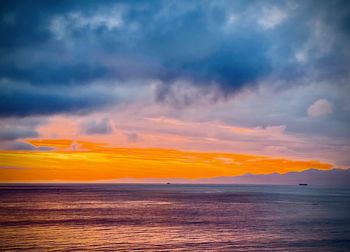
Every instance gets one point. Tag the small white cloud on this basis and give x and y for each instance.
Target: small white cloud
(230, 22)
(61, 26)
(272, 17)
(320, 107)
(110, 21)
(301, 56)
(231, 19)
(58, 27)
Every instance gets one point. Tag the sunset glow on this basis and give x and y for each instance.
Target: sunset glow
(98, 163)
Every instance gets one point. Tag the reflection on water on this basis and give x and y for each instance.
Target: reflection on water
(174, 217)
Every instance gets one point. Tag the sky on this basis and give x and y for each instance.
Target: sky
(101, 90)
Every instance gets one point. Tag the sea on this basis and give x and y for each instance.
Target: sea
(173, 217)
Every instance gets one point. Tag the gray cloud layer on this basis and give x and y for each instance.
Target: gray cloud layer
(218, 47)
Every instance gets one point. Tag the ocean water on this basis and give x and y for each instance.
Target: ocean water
(124, 217)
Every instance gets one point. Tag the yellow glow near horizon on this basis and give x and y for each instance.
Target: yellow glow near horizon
(102, 163)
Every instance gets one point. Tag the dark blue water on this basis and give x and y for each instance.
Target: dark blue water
(174, 218)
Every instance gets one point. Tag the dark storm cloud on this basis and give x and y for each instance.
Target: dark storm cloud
(229, 44)
(54, 74)
(25, 101)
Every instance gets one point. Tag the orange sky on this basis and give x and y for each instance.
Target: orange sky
(88, 161)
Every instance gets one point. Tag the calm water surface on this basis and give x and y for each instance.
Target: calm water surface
(173, 218)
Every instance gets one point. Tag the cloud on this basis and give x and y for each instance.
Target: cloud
(18, 99)
(44, 46)
(65, 25)
(320, 107)
(17, 145)
(15, 128)
(182, 93)
(132, 137)
(12, 133)
(20, 146)
(97, 127)
(272, 17)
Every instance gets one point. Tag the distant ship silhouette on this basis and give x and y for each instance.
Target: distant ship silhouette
(303, 184)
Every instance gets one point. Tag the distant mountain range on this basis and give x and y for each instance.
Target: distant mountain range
(334, 177)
